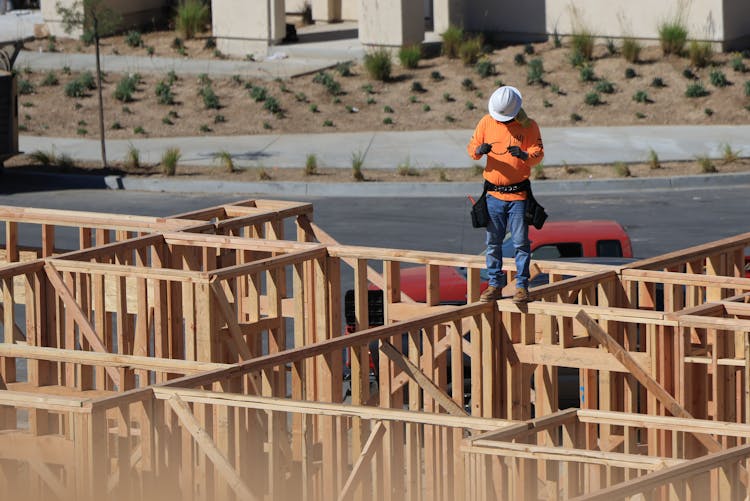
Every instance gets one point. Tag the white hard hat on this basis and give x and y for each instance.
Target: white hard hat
(505, 103)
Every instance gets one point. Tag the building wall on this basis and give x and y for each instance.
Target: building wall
(134, 13)
(244, 27)
(391, 23)
(736, 24)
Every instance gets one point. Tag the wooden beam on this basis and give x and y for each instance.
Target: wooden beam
(671, 474)
(368, 451)
(423, 381)
(529, 451)
(643, 377)
(720, 428)
(18, 334)
(51, 479)
(71, 307)
(208, 447)
(229, 315)
(325, 409)
(107, 359)
(536, 425)
(577, 357)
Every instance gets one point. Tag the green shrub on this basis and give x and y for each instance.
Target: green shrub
(371, 100)
(344, 68)
(747, 88)
(436, 76)
(87, 37)
(300, 97)
(387, 121)
(519, 59)
(150, 50)
(327, 123)
(116, 126)
(700, 53)
(41, 157)
(696, 89)
(658, 83)
(688, 73)
(167, 121)
(220, 119)
(267, 125)
(630, 73)
(450, 119)
(410, 55)
(575, 117)
(605, 87)
(447, 97)
(192, 17)
(673, 36)
(467, 84)
(556, 40)
(592, 99)
(653, 160)
(311, 165)
(706, 165)
(546, 104)
(576, 59)
(125, 89)
(416, 86)
(272, 104)
(387, 109)
(87, 80)
(535, 72)
(470, 106)
(172, 77)
(133, 157)
(313, 108)
(50, 79)
(25, 87)
(426, 108)
(621, 169)
(631, 50)
(368, 89)
(133, 38)
(718, 78)
(586, 73)
(708, 112)
(169, 161)
(470, 50)
(641, 97)
(737, 64)
(210, 43)
(485, 68)
(66, 70)
(259, 94)
(582, 42)
(452, 38)
(164, 94)
(210, 99)
(139, 130)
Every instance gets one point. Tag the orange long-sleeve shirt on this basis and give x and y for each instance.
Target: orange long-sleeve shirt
(503, 168)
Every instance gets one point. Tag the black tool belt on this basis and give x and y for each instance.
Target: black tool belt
(511, 188)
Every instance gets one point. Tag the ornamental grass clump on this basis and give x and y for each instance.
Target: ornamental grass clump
(410, 55)
(673, 36)
(192, 17)
(169, 161)
(452, 38)
(631, 50)
(378, 65)
(470, 50)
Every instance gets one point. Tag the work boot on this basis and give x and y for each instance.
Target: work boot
(491, 293)
(521, 295)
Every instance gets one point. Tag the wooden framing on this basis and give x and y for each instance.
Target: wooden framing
(201, 356)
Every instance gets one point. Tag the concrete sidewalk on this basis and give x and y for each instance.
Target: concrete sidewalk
(421, 149)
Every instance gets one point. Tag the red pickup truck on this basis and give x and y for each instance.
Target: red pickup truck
(556, 240)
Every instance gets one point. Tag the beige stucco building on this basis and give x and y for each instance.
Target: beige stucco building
(250, 26)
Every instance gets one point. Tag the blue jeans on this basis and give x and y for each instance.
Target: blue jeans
(507, 216)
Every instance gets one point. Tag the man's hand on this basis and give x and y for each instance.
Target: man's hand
(483, 149)
(517, 152)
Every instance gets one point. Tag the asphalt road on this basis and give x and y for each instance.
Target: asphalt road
(657, 222)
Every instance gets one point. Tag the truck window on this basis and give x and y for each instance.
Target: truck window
(608, 248)
(561, 250)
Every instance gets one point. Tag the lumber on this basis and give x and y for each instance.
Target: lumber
(673, 473)
(72, 307)
(423, 381)
(368, 451)
(209, 448)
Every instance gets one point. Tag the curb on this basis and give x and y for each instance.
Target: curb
(415, 190)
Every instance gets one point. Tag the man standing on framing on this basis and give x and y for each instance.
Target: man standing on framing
(513, 145)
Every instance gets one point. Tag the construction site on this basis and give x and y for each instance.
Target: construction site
(203, 356)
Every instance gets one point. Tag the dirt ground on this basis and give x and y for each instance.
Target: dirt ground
(455, 101)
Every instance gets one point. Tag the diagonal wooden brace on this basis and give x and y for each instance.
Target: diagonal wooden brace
(208, 447)
(71, 307)
(368, 451)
